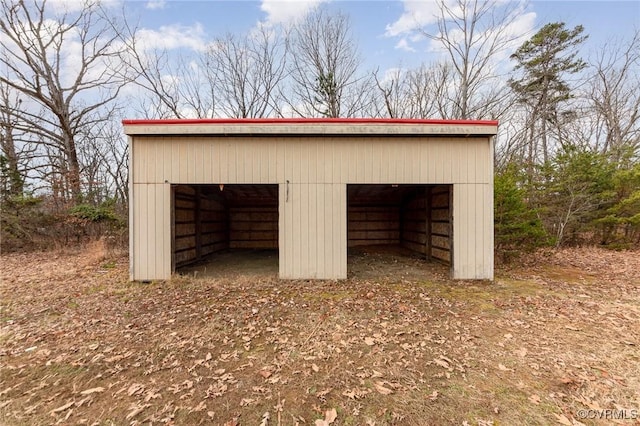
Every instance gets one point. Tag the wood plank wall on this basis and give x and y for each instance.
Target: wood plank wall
(414, 222)
(200, 225)
(440, 223)
(373, 225)
(253, 227)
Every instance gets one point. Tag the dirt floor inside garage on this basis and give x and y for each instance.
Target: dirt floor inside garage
(553, 340)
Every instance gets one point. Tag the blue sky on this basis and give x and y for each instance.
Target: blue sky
(381, 28)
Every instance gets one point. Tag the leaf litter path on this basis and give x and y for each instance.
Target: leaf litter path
(82, 345)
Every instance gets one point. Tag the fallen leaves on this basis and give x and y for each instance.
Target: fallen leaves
(329, 417)
(381, 388)
(229, 349)
(92, 390)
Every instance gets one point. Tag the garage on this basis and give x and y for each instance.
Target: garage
(312, 189)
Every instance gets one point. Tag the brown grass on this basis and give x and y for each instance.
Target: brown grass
(82, 345)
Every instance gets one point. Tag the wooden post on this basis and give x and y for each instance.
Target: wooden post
(428, 226)
(172, 200)
(198, 220)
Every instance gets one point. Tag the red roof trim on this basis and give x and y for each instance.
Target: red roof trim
(306, 121)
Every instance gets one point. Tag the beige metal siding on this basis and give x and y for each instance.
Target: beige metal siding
(313, 231)
(473, 231)
(372, 159)
(151, 232)
(312, 223)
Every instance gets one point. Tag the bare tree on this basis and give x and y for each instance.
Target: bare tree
(155, 72)
(614, 92)
(474, 34)
(324, 68)
(64, 64)
(246, 71)
(11, 175)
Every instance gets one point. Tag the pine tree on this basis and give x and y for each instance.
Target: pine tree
(544, 61)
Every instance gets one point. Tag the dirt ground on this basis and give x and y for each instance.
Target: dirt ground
(553, 340)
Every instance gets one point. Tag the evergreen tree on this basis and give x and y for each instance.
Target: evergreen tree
(544, 62)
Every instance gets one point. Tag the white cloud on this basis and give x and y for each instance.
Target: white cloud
(156, 4)
(517, 26)
(71, 6)
(172, 37)
(416, 14)
(403, 44)
(287, 11)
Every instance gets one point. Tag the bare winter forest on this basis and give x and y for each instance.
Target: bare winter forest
(566, 157)
(556, 333)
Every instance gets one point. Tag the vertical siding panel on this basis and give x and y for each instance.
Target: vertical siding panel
(245, 161)
(233, 161)
(321, 161)
(151, 243)
(473, 248)
(259, 156)
(239, 162)
(134, 232)
(305, 240)
(313, 160)
(314, 236)
(182, 161)
(164, 229)
(272, 167)
(384, 161)
(279, 152)
(321, 229)
(458, 230)
(488, 229)
(360, 160)
(341, 214)
(329, 227)
(143, 161)
(296, 208)
(295, 158)
(464, 158)
(474, 152)
(214, 162)
(132, 210)
(175, 161)
(348, 151)
(283, 234)
(141, 225)
(393, 166)
(151, 166)
(135, 154)
(474, 232)
(425, 167)
(204, 174)
(332, 160)
(339, 160)
(368, 161)
(224, 162)
(164, 148)
(376, 158)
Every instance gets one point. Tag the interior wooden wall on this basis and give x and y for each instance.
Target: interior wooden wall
(414, 222)
(420, 221)
(253, 227)
(439, 223)
(200, 225)
(373, 225)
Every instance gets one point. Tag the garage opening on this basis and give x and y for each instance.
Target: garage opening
(224, 227)
(405, 220)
